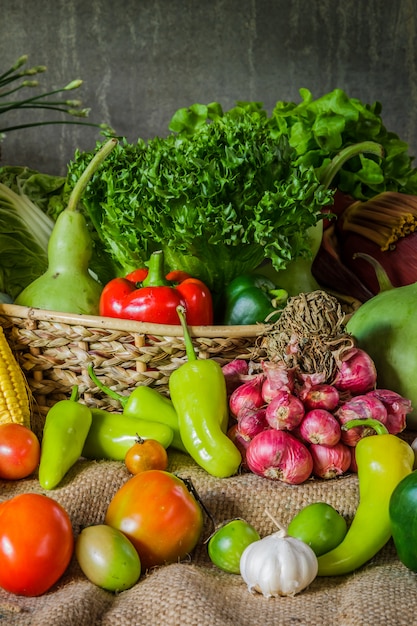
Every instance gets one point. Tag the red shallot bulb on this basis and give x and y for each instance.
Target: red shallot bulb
(397, 409)
(320, 426)
(360, 407)
(250, 422)
(357, 372)
(268, 391)
(285, 411)
(330, 461)
(278, 376)
(240, 443)
(247, 396)
(353, 467)
(319, 397)
(234, 373)
(278, 455)
(310, 380)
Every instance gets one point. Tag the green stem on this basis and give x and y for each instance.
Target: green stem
(279, 297)
(34, 100)
(41, 104)
(382, 277)
(189, 348)
(378, 426)
(74, 394)
(110, 392)
(156, 271)
(20, 61)
(347, 153)
(19, 127)
(88, 173)
(11, 91)
(46, 107)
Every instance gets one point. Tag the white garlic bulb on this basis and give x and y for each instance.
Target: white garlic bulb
(278, 565)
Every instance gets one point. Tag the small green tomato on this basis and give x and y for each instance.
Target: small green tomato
(107, 557)
(320, 526)
(227, 544)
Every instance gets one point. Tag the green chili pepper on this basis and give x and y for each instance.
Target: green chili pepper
(66, 427)
(250, 299)
(112, 434)
(383, 461)
(145, 403)
(198, 393)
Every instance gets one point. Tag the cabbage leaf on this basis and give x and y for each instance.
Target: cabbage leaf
(25, 227)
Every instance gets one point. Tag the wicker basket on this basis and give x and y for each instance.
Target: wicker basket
(54, 350)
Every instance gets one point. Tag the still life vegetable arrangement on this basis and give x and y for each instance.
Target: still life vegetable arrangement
(202, 229)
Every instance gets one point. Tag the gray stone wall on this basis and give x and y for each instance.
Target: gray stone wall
(140, 60)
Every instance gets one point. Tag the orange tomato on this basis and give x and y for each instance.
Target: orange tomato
(146, 454)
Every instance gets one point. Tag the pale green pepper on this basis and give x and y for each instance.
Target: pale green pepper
(198, 393)
(383, 461)
(112, 434)
(67, 424)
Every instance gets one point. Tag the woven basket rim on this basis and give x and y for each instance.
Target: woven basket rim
(140, 328)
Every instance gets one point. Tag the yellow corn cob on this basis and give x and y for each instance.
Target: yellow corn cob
(14, 399)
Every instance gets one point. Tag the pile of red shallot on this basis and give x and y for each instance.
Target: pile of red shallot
(288, 425)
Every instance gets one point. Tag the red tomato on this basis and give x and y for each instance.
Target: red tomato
(36, 543)
(159, 515)
(146, 454)
(19, 451)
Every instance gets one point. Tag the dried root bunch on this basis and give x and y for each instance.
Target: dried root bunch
(309, 335)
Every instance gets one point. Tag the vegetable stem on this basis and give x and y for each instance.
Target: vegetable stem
(378, 426)
(347, 153)
(110, 392)
(189, 348)
(156, 276)
(382, 277)
(275, 521)
(86, 176)
(20, 61)
(36, 100)
(32, 124)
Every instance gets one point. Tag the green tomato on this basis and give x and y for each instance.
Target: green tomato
(227, 544)
(107, 557)
(320, 526)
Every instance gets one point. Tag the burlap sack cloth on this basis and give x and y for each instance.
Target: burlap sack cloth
(195, 592)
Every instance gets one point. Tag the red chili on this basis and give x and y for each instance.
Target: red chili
(147, 295)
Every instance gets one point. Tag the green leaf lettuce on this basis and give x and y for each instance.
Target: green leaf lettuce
(218, 198)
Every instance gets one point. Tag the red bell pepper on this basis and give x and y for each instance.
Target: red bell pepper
(147, 295)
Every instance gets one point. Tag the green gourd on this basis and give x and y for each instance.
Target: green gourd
(67, 284)
(386, 328)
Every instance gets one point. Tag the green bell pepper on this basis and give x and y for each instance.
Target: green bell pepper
(67, 424)
(252, 299)
(198, 393)
(403, 515)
